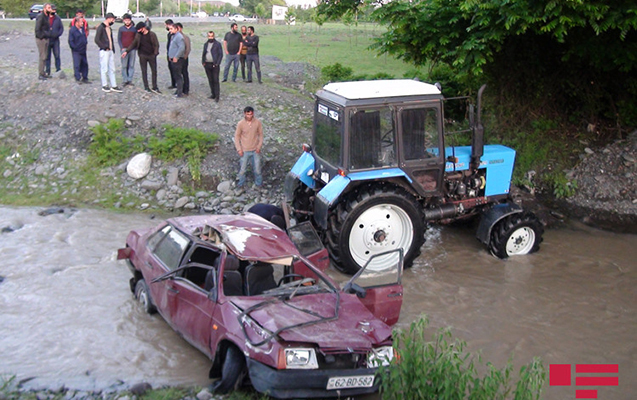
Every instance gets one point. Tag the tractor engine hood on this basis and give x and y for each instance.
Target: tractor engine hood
(314, 319)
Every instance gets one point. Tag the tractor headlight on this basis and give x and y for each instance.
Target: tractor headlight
(380, 356)
(300, 358)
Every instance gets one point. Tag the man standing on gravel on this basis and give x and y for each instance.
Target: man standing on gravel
(176, 57)
(104, 41)
(125, 36)
(168, 23)
(252, 56)
(232, 45)
(42, 33)
(147, 44)
(78, 42)
(57, 29)
(211, 60)
(184, 71)
(248, 140)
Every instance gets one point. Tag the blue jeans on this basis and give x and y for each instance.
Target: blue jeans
(128, 66)
(107, 67)
(255, 159)
(231, 58)
(54, 47)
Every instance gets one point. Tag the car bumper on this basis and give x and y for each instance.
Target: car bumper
(295, 383)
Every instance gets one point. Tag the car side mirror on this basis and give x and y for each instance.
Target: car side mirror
(353, 288)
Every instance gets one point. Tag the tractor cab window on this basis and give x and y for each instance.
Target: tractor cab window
(372, 139)
(327, 134)
(420, 133)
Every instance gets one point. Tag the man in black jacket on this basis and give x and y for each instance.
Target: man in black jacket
(211, 60)
(56, 30)
(104, 41)
(42, 34)
(147, 47)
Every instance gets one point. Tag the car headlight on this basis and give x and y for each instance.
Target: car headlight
(300, 358)
(380, 356)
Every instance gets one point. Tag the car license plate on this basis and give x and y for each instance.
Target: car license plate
(350, 382)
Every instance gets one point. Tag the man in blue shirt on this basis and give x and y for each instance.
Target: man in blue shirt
(176, 53)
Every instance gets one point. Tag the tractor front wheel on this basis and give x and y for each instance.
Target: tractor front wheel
(373, 221)
(516, 234)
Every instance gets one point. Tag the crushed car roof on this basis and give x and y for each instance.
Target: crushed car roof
(247, 235)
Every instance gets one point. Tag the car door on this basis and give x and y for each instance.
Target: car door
(381, 291)
(193, 304)
(167, 248)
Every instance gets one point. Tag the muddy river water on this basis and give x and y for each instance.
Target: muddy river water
(68, 318)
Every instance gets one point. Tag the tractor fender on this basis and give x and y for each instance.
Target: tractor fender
(330, 193)
(491, 217)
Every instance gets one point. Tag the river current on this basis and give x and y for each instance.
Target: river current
(68, 318)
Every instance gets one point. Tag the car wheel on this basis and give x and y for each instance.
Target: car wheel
(517, 234)
(142, 294)
(232, 371)
(376, 220)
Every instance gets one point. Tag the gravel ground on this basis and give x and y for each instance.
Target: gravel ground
(54, 119)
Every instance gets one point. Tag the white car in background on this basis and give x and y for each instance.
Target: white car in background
(237, 18)
(139, 15)
(199, 14)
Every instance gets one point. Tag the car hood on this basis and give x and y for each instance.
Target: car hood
(354, 328)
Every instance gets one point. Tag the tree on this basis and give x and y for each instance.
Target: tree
(580, 53)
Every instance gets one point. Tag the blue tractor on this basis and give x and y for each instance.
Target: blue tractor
(378, 172)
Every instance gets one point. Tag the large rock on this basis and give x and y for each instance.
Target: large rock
(139, 166)
(182, 201)
(173, 177)
(151, 185)
(224, 186)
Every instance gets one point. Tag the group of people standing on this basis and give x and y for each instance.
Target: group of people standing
(238, 48)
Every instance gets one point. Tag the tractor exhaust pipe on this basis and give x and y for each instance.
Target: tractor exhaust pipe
(477, 139)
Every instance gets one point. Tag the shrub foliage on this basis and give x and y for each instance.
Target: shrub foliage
(442, 369)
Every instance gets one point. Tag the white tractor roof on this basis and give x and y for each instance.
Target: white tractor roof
(382, 88)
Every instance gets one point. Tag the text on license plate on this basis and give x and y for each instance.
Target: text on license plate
(350, 382)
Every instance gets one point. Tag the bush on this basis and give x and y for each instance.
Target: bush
(109, 146)
(441, 369)
(337, 73)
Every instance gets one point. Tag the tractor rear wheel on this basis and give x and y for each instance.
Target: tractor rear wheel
(372, 221)
(516, 234)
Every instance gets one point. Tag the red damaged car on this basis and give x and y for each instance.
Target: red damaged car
(256, 301)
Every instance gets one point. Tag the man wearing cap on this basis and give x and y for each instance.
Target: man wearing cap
(104, 41)
(56, 30)
(42, 33)
(148, 48)
(125, 36)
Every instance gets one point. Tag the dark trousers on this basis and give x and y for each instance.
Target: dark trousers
(212, 71)
(151, 60)
(80, 65)
(254, 58)
(177, 69)
(242, 60)
(184, 73)
(54, 47)
(172, 77)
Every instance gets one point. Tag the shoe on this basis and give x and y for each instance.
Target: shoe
(216, 99)
(86, 81)
(155, 90)
(179, 96)
(116, 89)
(43, 77)
(126, 83)
(225, 80)
(185, 94)
(148, 90)
(78, 81)
(106, 89)
(248, 81)
(211, 97)
(172, 87)
(260, 83)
